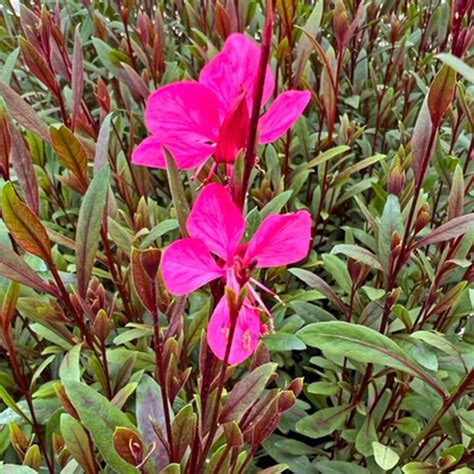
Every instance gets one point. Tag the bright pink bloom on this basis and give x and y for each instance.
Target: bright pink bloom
(214, 250)
(195, 120)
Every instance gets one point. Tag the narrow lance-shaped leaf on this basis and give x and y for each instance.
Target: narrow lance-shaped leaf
(24, 225)
(456, 195)
(37, 64)
(5, 141)
(77, 77)
(88, 228)
(102, 149)
(77, 443)
(246, 392)
(22, 112)
(323, 422)
(422, 142)
(70, 151)
(13, 267)
(24, 169)
(363, 344)
(441, 93)
(450, 230)
(177, 192)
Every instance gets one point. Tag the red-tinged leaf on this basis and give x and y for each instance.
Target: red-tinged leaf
(128, 445)
(314, 281)
(22, 112)
(13, 267)
(88, 227)
(183, 427)
(456, 195)
(24, 169)
(71, 152)
(441, 93)
(9, 304)
(144, 275)
(37, 64)
(136, 84)
(5, 142)
(422, 143)
(24, 225)
(450, 230)
(223, 24)
(77, 77)
(102, 149)
(246, 393)
(77, 443)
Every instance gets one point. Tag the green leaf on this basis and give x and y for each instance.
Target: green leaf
(90, 405)
(391, 221)
(458, 65)
(339, 467)
(246, 392)
(177, 192)
(88, 227)
(384, 456)
(420, 468)
(102, 148)
(362, 344)
(323, 422)
(70, 150)
(77, 442)
(338, 270)
(183, 427)
(283, 341)
(70, 369)
(276, 204)
(24, 225)
(358, 253)
(449, 230)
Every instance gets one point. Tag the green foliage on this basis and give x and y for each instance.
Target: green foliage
(368, 364)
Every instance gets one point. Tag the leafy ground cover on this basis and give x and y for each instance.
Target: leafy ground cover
(236, 236)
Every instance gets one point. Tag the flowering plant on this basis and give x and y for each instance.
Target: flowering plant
(236, 237)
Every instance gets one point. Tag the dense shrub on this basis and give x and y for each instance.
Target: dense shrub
(265, 265)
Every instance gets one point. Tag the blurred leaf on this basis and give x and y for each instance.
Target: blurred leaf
(384, 456)
(77, 443)
(323, 422)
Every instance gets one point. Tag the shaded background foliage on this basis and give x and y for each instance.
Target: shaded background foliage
(375, 336)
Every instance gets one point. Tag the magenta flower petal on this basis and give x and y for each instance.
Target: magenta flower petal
(234, 70)
(246, 336)
(188, 155)
(187, 265)
(282, 114)
(183, 110)
(280, 240)
(217, 221)
(234, 132)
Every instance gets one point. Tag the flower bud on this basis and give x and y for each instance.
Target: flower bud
(102, 325)
(18, 439)
(340, 23)
(396, 178)
(422, 218)
(393, 296)
(395, 245)
(33, 457)
(296, 386)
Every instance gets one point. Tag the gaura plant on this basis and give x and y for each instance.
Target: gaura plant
(307, 308)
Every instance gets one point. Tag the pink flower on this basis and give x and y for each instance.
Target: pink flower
(195, 120)
(216, 227)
